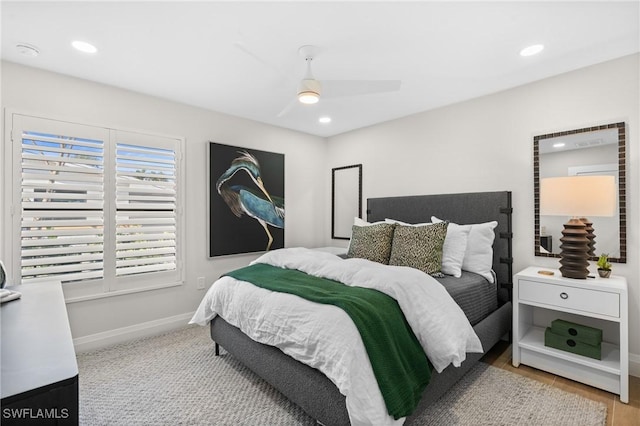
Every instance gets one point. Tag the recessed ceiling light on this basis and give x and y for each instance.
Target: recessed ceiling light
(27, 50)
(532, 50)
(324, 120)
(83, 46)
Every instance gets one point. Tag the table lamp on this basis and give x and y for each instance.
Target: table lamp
(578, 197)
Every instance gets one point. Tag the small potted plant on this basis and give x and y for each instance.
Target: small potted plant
(604, 267)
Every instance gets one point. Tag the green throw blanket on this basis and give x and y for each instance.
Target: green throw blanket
(399, 363)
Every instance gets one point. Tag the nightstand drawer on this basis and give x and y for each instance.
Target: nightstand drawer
(580, 299)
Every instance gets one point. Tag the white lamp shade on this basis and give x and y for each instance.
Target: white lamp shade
(578, 196)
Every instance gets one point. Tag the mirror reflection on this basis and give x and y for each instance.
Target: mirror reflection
(583, 152)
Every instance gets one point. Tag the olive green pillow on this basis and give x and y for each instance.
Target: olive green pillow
(419, 247)
(372, 242)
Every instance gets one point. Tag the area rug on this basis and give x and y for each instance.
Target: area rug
(175, 379)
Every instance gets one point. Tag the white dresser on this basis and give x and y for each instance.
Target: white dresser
(595, 302)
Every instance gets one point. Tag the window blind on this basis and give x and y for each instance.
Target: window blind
(94, 206)
(62, 199)
(146, 209)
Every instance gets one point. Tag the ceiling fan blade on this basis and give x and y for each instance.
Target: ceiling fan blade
(246, 50)
(287, 108)
(340, 88)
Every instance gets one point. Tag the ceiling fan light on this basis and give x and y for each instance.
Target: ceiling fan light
(309, 91)
(308, 97)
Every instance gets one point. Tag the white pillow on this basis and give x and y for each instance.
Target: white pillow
(453, 249)
(361, 222)
(398, 222)
(478, 256)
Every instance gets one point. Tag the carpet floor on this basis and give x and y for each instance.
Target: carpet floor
(175, 379)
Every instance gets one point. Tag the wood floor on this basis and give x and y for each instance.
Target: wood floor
(618, 413)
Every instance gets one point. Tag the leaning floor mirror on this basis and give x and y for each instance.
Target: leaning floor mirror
(346, 199)
(593, 151)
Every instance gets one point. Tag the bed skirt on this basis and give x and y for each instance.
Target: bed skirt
(316, 394)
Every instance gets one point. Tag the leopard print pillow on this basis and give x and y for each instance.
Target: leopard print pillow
(371, 242)
(419, 247)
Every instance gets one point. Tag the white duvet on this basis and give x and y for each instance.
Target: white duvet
(324, 337)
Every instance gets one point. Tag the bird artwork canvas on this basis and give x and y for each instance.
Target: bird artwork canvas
(246, 200)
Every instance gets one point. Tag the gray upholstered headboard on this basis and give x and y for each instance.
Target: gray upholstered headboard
(475, 207)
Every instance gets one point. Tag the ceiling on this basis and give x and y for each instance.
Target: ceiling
(241, 58)
(581, 140)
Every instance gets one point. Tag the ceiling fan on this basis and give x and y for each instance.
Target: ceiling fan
(310, 90)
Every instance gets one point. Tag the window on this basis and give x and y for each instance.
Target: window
(95, 208)
(62, 197)
(145, 207)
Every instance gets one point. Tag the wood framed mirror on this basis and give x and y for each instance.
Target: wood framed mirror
(599, 150)
(346, 199)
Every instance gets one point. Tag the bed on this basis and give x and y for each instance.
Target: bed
(317, 394)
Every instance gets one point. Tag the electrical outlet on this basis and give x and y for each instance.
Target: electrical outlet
(200, 284)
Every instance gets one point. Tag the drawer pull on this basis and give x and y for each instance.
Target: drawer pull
(564, 295)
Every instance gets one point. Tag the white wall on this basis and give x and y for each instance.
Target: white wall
(486, 144)
(110, 319)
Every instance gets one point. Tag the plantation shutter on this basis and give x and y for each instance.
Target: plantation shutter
(62, 201)
(94, 207)
(146, 204)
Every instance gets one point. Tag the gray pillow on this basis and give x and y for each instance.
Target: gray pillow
(372, 242)
(419, 247)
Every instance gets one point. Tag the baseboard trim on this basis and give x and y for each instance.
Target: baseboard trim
(634, 365)
(124, 334)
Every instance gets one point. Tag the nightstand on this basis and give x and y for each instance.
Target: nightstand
(595, 302)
